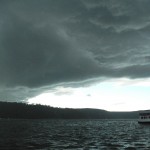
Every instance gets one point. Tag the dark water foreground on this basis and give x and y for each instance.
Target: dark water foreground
(74, 134)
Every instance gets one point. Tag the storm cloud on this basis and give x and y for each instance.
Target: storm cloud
(44, 43)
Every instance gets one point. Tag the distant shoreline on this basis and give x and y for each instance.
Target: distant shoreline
(15, 110)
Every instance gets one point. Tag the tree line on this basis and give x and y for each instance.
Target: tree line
(31, 111)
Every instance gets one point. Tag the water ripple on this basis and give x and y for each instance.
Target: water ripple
(74, 134)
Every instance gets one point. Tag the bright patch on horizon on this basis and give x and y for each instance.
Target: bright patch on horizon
(114, 95)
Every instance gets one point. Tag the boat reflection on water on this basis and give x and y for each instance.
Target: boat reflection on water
(144, 117)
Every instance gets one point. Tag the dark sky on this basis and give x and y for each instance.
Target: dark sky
(44, 43)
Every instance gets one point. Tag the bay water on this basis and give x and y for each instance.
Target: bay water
(73, 134)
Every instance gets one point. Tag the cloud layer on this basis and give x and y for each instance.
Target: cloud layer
(46, 42)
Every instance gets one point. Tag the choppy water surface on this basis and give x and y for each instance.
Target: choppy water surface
(74, 134)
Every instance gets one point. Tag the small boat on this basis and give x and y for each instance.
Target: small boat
(144, 117)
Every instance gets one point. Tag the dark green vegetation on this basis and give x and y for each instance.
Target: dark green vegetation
(25, 111)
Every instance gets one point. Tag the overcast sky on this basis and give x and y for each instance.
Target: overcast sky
(66, 47)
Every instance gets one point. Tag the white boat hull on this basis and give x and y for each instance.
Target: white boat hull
(144, 121)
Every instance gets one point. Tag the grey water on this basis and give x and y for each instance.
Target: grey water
(73, 135)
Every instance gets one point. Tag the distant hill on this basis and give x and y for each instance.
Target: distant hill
(26, 111)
